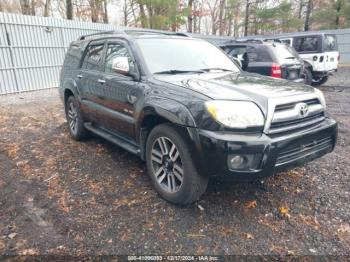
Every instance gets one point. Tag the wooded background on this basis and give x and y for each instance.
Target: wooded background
(217, 17)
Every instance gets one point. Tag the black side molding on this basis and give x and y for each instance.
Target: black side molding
(119, 141)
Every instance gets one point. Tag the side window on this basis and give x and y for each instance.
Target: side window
(306, 44)
(286, 41)
(93, 57)
(236, 51)
(117, 50)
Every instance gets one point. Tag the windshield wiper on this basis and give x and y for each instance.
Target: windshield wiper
(175, 72)
(216, 69)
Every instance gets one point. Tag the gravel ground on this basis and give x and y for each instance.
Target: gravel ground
(58, 196)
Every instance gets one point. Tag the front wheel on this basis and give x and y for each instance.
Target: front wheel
(319, 81)
(307, 75)
(170, 166)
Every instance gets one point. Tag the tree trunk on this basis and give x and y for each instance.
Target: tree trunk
(143, 16)
(105, 12)
(221, 16)
(308, 14)
(338, 6)
(46, 8)
(32, 8)
(300, 11)
(25, 7)
(69, 9)
(1, 7)
(246, 19)
(190, 16)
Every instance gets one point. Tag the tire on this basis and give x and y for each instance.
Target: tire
(307, 75)
(319, 81)
(75, 120)
(170, 166)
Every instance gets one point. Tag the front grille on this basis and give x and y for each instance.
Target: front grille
(287, 117)
(283, 107)
(302, 151)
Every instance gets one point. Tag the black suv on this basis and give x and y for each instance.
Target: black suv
(266, 57)
(184, 107)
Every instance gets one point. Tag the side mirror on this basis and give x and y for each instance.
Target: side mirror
(121, 65)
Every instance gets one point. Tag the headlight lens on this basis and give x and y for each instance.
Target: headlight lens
(321, 97)
(236, 114)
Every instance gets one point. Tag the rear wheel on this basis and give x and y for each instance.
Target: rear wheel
(319, 81)
(75, 119)
(170, 166)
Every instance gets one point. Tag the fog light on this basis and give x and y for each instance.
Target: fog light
(237, 162)
(244, 162)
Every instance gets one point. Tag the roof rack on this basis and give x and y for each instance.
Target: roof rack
(135, 32)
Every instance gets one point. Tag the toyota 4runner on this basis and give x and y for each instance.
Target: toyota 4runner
(184, 107)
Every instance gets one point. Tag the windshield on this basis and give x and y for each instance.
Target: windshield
(330, 43)
(175, 55)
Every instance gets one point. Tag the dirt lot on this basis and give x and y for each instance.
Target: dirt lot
(58, 196)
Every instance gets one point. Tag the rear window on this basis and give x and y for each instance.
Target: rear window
(307, 44)
(284, 52)
(254, 54)
(330, 43)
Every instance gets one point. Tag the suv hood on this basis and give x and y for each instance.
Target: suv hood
(238, 86)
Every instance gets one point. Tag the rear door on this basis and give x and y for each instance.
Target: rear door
(121, 92)
(87, 79)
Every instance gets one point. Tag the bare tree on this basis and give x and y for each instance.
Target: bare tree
(47, 7)
(309, 8)
(105, 11)
(69, 9)
(222, 5)
(190, 16)
(25, 7)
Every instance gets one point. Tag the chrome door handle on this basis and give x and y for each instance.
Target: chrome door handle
(101, 81)
(80, 76)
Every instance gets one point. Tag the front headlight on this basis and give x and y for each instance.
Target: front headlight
(236, 114)
(321, 97)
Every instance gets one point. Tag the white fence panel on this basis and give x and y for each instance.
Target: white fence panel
(32, 49)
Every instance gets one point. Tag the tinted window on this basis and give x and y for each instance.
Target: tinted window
(307, 44)
(93, 57)
(330, 43)
(116, 50)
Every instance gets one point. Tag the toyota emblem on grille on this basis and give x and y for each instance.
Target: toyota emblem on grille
(303, 109)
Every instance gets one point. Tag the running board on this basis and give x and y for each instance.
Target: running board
(113, 139)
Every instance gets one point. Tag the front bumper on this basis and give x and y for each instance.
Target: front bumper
(274, 153)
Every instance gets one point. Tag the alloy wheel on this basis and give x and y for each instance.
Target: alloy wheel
(73, 117)
(167, 165)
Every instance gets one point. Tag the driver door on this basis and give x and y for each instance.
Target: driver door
(121, 90)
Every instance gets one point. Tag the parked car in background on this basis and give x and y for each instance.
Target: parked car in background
(270, 58)
(318, 50)
(189, 112)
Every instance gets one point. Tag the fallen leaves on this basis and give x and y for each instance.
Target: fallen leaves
(12, 235)
(248, 236)
(284, 211)
(251, 204)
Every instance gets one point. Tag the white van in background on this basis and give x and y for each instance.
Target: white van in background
(319, 52)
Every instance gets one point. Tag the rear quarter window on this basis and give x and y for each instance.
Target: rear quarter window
(72, 57)
(330, 43)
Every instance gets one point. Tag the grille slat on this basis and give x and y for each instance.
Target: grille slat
(303, 151)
